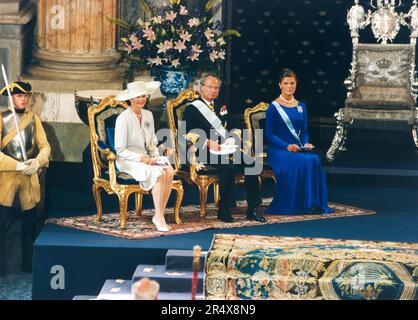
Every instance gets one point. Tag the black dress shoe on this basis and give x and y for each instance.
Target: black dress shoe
(225, 216)
(253, 215)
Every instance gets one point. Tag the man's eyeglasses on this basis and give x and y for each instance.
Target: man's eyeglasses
(212, 87)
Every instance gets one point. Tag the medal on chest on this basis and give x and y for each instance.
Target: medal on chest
(224, 110)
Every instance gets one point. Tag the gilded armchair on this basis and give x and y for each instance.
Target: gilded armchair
(382, 86)
(102, 119)
(183, 146)
(255, 120)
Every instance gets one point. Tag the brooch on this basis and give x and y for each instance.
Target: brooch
(300, 109)
(224, 110)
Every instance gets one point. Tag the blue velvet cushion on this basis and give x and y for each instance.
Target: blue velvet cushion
(110, 133)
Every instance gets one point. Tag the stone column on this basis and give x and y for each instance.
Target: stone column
(16, 37)
(75, 41)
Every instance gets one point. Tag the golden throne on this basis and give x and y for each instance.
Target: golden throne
(102, 119)
(381, 87)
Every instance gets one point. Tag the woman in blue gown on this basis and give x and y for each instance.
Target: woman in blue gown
(300, 181)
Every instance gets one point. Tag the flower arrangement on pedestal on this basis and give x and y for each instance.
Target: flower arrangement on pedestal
(175, 38)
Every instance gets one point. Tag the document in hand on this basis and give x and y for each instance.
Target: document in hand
(225, 149)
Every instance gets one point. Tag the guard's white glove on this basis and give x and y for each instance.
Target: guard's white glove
(20, 166)
(33, 166)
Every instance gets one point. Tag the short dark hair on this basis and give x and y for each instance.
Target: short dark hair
(205, 76)
(286, 73)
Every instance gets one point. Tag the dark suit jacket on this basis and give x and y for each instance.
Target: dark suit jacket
(195, 120)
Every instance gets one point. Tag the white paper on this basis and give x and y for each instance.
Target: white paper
(225, 149)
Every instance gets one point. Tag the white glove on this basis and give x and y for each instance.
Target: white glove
(20, 166)
(33, 166)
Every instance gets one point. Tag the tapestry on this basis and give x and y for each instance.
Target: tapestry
(142, 227)
(240, 267)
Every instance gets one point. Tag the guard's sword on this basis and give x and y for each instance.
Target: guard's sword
(22, 147)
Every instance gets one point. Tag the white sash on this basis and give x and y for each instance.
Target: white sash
(211, 117)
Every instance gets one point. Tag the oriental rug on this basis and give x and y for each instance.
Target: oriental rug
(142, 227)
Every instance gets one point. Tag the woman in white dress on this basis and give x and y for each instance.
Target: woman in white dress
(136, 148)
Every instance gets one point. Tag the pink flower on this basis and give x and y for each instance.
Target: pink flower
(212, 43)
(129, 49)
(171, 16)
(180, 46)
(163, 47)
(193, 22)
(175, 63)
(133, 37)
(155, 61)
(186, 36)
(196, 48)
(213, 56)
(221, 54)
(137, 45)
(209, 34)
(157, 20)
(150, 35)
(194, 56)
(183, 11)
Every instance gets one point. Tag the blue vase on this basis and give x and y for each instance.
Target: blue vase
(172, 81)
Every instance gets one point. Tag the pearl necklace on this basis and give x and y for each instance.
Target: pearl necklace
(287, 101)
(137, 114)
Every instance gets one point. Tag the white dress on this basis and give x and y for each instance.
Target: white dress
(132, 141)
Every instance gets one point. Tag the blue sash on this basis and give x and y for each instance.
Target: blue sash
(287, 120)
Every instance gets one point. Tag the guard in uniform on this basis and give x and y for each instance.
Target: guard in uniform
(19, 181)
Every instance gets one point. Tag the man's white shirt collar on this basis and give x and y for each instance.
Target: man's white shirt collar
(207, 102)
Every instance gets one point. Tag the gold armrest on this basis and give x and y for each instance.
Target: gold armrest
(110, 156)
(191, 138)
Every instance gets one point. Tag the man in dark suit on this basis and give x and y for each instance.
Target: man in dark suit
(203, 115)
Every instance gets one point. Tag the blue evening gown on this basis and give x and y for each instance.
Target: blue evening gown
(300, 181)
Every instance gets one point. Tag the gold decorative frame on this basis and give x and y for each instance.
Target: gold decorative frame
(100, 156)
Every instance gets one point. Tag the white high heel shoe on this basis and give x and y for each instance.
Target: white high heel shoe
(161, 228)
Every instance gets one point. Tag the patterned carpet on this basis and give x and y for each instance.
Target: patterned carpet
(142, 227)
(283, 268)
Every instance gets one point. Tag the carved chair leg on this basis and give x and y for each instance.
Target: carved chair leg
(415, 135)
(216, 193)
(98, 200)
(340, 137)
(123, 207)
(138, 203)
(203, 195)
(178, 186)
